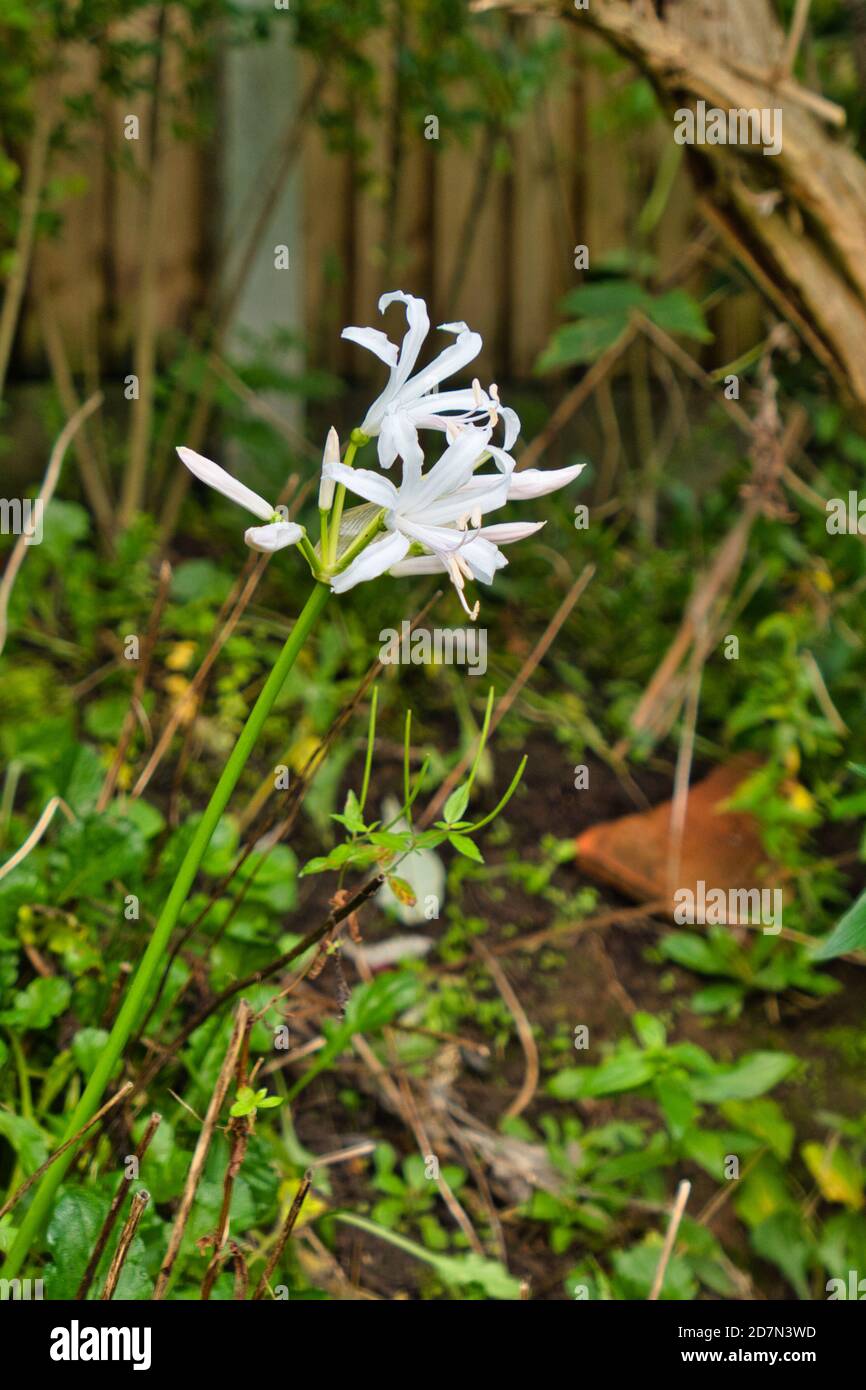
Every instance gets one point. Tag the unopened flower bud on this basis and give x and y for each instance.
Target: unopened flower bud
(331, 455)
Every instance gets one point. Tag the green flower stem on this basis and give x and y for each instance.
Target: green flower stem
(355, 441)
(137, 994)
(361, 541)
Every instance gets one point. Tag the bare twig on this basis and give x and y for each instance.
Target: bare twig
(288, 1226)
(52, 1158)
(668, 1248)
(46, 492)
(130, 1226)
(114, 1210)
(524, 1031)
(243, 1022)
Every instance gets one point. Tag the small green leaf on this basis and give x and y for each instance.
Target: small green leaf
(466, 847)
(456, 804)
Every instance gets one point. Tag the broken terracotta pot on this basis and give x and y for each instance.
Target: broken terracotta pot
(721, 852)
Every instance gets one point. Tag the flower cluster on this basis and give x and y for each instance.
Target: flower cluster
(434, 521)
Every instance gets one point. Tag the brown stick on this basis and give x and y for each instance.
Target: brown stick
(46, 492)
(243, 1022)
(113, 1211)
(136, 1211)
(52, 1158)
(668, 1249)
(524, 1030)
(288, 1227)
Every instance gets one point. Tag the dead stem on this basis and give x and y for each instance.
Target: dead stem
(288, 1226)
(243, 1021)
(52, 1158)
(114, 1210)
(136, 1211)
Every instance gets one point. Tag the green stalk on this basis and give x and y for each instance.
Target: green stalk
(356, 439)
(137, 994)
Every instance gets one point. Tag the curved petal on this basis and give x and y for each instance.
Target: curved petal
(504, 462)
(364, 483)
(375, 341)
(419, 326)
(402, 439)
(209, 472)
(483, 558)
(435, 538)
(466, 348)
(511, 420)
(375, 560)
(506, 533)
(452, 471)
(481, 495)
(274, 537)
(536, 482)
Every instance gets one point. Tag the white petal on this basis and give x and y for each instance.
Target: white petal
(512, 425)
(211, 473)
(453, 470)
(435, 538)
(364, 483)
(375, 560)
(536, 482)
(419, 327)
(483, 558)
(403, 437)
(375, 341)
(437, 402)
(504, 462)
(274, 537)
(466, 348)
(418, 564)
(484, 494)
(506, 533)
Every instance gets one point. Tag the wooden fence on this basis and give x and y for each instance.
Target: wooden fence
(489, 244)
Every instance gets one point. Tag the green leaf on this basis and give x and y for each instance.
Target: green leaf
(693, 952)
(26, 1139)
(87, 1045)
(751, 1076)
(849, 934)
(604, 299)
(623, 1073)
(579, 342)
(678, 313)
(457, 1271)
(39, 1004)
(352, 817)
(781, 1240)
(466, 847)
(765, 1120)
(456, 804)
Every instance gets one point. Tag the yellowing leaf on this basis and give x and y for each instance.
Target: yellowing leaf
(839, 1178)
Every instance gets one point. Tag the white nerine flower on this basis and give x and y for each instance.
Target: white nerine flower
(428, 517)
(409, 403)
(425, 510)
(275, 535)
